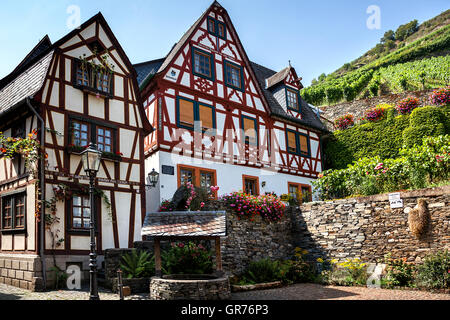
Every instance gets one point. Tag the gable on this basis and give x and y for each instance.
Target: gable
(223, 52)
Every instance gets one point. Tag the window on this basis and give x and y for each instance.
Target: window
(81, 212)
(211, 26)
(18, 131)
(13, 212)
(186, 175)
(221, 30)
(203, 64)
(80, 134)
(250, 128)
(206, 116)
(302, 190)
(199, 177)
(190, 112)
(292, 99)
(186, 113)
(217, 28)
(104, 139)
(86, 77)
(251, 185)
(298, 143)
(85, 132)
(234, 76)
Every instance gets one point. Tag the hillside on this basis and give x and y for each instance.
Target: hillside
(411, 58)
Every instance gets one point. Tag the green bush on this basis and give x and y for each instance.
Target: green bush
(262, 271)
(138, 264)
(187, 258)
(416, 168)
(399, 273)
(434, 273)
(348, 273)
(385, 137)
(425, 121)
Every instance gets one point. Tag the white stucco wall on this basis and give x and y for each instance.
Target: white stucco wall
(229, 177)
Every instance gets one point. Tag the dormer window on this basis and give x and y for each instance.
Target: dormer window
(292, 99)
(234, 76)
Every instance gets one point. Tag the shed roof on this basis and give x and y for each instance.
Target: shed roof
(185, 224)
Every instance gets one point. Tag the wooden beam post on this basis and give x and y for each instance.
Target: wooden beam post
(158, 271)
(218, 255)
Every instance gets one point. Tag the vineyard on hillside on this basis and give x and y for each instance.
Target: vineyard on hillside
(396, 72)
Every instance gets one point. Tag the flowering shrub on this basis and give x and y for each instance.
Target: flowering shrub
(269, 207)
(441, 97)
(348, 273)
(167, 206)
(407, 105)
(399, 273)
(27, 147)
(344, 122)
(417, 167)
(187, 258)
(375, 114)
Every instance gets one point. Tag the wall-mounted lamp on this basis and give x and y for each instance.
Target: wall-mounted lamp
(153, 178)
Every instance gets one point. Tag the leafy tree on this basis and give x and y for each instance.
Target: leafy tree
(388, 35)
(389, 44)
(405, 30)
(322, 77)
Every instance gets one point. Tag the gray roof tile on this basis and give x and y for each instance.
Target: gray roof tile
(26, 84)
(185, 224)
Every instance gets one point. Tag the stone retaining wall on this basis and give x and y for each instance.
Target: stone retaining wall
(22, 271)
(367, 228)
(358, 107)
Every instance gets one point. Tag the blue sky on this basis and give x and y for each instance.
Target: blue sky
(317, 36)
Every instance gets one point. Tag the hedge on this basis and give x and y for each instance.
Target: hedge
(385, 137)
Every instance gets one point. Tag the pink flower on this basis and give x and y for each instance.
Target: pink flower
(181, 245)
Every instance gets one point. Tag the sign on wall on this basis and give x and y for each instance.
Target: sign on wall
(395, 200)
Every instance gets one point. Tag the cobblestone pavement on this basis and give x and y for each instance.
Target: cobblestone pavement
(295, 292)
(307, 291)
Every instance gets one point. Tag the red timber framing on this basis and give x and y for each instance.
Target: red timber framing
(122, 172)
(15, 181)
(177, 79)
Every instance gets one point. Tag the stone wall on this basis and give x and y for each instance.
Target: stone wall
(367, 228)
(249, 241)
(22, 271)
(358, 107)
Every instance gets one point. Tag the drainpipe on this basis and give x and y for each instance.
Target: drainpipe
(42, 182)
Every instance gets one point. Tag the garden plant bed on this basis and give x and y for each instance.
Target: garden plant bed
(258, 286)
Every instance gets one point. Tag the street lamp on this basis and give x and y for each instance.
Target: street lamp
(153, 178)
(91, 164)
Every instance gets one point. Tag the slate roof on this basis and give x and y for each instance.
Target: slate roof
(25, 84)
(277, 77)
(146, 70)
(185, 224)
(310, 118)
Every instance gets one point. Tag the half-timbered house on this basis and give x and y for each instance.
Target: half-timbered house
(223, 120)
(79, 90)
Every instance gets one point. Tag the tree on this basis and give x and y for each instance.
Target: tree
(388, 35)
(389, 45)
(322, 77)
(405, 30)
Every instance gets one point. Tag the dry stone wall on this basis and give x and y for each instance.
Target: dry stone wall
(367, 228)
